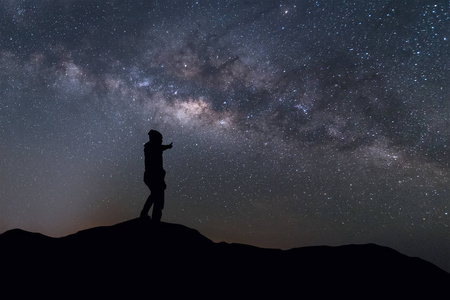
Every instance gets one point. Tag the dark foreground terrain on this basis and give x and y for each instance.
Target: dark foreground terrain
(142, 259)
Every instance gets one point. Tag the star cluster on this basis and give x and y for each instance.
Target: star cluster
(294, 123)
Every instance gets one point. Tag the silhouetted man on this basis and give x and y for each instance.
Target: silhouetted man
(154, 175)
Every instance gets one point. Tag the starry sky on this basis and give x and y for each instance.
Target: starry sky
(294, 123)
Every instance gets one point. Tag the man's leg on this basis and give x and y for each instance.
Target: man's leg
(147, 205)
(158, 207)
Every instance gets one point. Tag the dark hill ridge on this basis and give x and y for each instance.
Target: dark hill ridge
(144, 258)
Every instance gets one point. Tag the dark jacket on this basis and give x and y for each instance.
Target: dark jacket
(154, 171)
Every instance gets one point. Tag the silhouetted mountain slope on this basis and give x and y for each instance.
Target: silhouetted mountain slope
(138, 258)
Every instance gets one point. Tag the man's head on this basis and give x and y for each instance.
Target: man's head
(155, 136)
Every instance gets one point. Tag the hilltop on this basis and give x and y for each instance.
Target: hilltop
(138, 258)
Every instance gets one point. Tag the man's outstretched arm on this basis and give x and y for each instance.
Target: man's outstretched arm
(165, 147)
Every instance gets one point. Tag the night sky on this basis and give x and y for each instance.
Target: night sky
(294, 123)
